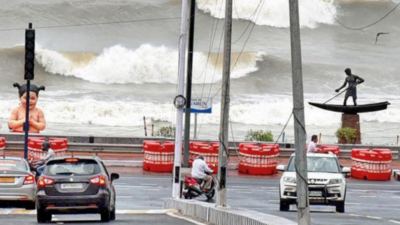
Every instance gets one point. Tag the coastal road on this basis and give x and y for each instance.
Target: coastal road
(367, 202)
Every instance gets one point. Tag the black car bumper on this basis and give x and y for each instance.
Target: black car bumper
(73, 204)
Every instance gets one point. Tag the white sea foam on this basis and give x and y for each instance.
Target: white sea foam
(147, 64)
(274, 13)
(250, 110)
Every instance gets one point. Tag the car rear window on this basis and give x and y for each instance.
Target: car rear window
(12, 165)
(318, 164)
(81, 167)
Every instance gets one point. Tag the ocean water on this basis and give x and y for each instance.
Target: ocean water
(106, 65)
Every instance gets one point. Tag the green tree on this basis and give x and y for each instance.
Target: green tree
(346, 134)
(168, 132)
(259, 135)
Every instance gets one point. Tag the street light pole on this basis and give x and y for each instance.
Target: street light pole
(179, 114)
(303, 208)
(189, 83)
(225, 99)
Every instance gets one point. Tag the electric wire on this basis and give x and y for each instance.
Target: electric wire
(363, 27)
(95, 24)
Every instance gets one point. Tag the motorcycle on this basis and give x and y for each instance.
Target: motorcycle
(194, 188)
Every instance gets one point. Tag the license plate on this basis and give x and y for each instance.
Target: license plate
(72, 186)
(6, 179)
(315, 194)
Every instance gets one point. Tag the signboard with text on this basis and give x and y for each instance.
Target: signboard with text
(200, 105)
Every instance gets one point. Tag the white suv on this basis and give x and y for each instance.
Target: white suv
(326, 182)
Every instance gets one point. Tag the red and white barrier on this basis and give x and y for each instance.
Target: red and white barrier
(209, 151)
(2, 145)
(258, 160)
(328, 148)
(35, 152)
(158, 157)
(371, 164)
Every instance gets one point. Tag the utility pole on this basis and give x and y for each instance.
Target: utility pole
(303, 208)
(189, 83)
(225, 99)
(179, 104)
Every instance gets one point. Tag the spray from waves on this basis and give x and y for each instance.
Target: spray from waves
(252, 110)
(147, 64)
(273, 13)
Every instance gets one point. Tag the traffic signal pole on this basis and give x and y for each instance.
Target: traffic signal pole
(29, 75)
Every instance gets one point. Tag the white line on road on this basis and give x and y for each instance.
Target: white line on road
(354, 215)
(352, 203)
(394, 221)
(245, 192)
(368, 196)
(374, 217)
(184, 218)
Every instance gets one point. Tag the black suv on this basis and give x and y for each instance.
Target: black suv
(75, 185)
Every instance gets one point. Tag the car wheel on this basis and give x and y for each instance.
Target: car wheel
(42, 216)
(30, 205)
(340, 207)
(105, 215)
(112, 213)
(284, 206)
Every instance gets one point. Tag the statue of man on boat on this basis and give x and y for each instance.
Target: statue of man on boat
(352, 80)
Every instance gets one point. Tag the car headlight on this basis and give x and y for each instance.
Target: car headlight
(335, 181)
(289, 180)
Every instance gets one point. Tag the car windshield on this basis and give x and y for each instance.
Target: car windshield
(12, 165)
(318, 164)
(65, 168)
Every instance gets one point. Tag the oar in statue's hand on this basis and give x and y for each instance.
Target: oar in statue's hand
(337, 90)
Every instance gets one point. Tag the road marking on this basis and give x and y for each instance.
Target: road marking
(354, 215)
(125, 196)
(374, 217)
(367, 196)
(352, 203)
(394, 221)
(245, 192)
(185, 218)
(147, 211)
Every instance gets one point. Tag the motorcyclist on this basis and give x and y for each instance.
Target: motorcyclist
(49, 155)
(200, 170)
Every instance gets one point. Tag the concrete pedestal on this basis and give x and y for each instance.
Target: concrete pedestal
(352, 121)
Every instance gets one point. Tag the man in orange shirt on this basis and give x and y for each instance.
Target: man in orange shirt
(37, 121)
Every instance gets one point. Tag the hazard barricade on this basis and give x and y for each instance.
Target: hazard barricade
(329, 148)
(158, 157)
(209, 151)
(258, 160)
(2, 145)
(371, 164)
(35, 152)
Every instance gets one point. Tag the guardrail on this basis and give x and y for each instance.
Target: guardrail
(137, 149)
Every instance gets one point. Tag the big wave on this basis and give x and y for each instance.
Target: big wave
(250, 110)
(146, 64)
(274, 13)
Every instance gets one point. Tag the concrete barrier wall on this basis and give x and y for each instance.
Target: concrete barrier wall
(209, 213)
(134, 144)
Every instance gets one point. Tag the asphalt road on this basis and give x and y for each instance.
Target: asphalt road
(367, 202)
(94, 219)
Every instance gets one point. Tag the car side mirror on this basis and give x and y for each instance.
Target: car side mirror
(346, 171)
(281, 167)
(114, 176)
